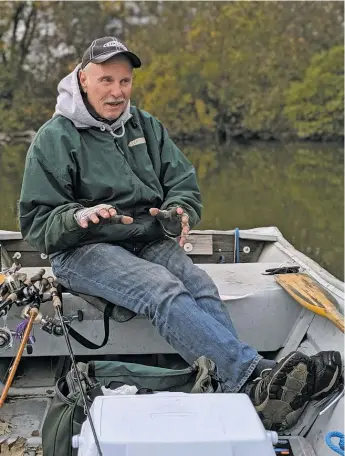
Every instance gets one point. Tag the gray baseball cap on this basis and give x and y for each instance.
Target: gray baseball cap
(103, 49)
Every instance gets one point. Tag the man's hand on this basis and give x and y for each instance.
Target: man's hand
(174, 221)
(105, 211)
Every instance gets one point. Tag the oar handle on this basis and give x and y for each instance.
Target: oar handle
(33, 315)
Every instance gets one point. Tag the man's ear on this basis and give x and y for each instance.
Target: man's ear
(82, 79)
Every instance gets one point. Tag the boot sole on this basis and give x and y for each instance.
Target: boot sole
(261, 407)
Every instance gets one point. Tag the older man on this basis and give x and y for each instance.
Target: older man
(105, 191)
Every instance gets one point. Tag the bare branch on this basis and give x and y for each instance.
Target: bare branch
(30, 26)
(15, 19)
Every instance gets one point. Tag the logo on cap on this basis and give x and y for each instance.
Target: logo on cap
(116, 44)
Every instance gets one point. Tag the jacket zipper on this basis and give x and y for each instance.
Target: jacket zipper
(131, 173)
(119, 149)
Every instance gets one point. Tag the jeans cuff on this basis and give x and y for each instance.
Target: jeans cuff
(236, 388)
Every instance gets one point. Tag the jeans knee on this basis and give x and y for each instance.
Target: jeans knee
(167, 294)
(200, 282)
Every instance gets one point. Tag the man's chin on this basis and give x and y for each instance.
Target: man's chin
(112, 118)
(114, 114)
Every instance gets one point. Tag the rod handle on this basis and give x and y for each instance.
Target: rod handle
(33, 315)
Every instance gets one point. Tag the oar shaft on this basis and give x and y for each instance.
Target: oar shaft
(33, 315)
(338, 321)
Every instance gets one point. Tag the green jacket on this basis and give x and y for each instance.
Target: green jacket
(68, 168)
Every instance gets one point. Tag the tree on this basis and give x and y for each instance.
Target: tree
(315, 105)
(208, 67)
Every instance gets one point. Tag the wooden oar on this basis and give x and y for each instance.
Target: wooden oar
(310, 294)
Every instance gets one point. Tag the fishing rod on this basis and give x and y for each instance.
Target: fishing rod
(17, 289)
(57, 304)
(13, 370)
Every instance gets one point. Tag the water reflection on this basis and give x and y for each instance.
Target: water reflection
(12, 160)
(297, 187)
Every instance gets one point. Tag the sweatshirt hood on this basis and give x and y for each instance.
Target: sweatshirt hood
(70, 104)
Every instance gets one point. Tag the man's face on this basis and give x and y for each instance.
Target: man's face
(108, 86)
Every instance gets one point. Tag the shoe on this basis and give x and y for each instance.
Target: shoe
(326, 374)
(280, 394)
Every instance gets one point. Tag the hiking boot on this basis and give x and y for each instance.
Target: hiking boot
(280, 394)
(326, 374)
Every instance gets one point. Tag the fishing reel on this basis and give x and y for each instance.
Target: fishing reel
(17, 289)
(52, 325)
(6, 338)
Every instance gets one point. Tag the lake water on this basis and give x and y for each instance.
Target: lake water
(297, 187)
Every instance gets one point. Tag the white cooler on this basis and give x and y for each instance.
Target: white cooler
(175, 424)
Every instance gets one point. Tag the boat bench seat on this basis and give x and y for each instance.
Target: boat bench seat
(262, 312)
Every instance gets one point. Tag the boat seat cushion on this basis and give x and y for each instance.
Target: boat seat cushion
(119, 313)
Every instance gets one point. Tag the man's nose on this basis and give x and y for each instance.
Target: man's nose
(116, 91)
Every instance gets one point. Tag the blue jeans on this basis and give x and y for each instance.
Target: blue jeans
(178, 297)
